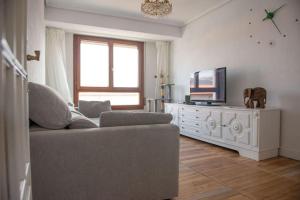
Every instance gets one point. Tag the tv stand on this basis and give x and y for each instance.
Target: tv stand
(254, 133)
(206, 104)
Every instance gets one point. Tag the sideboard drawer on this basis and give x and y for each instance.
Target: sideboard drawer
(190, 109)
(190, 129)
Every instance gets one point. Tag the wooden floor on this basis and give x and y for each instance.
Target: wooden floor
(211, 172)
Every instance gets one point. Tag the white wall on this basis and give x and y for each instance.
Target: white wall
(149, 65)
(36, 40)
(222, 38)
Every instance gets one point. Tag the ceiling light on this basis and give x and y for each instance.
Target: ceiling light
(156, 7)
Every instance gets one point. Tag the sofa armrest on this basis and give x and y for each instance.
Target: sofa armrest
(130, 162)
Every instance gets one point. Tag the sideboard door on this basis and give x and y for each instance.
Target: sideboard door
(237, 126)
(211, 124)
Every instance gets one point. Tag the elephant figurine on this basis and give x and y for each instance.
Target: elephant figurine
(258, 95)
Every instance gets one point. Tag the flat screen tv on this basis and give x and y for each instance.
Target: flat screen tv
(208, 86)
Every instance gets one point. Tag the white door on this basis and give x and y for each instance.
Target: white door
(14, 136)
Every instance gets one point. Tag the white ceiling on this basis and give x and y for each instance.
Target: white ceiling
(184, 11)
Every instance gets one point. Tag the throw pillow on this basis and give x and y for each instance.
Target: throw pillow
(80, 121)
(92, 109)
(47, 108)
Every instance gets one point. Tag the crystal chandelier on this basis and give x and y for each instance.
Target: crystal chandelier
(156, 7)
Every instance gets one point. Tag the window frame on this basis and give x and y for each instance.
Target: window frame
(110, 41)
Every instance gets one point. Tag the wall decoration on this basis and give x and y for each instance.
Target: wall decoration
(271, 15)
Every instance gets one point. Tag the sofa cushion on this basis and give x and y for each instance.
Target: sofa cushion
(80, 121)
(47, 108)
(92, 109)
(114, 118)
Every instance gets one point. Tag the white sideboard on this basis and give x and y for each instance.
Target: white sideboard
(254, 133)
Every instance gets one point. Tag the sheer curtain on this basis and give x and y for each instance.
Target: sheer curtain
(163, 61)
(56, 61)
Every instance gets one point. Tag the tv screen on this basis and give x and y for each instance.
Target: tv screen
(209, 85)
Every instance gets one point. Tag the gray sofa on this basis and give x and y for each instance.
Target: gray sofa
(131, 156)
(110, 163)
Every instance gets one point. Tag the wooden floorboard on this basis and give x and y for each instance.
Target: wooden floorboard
(211, 172)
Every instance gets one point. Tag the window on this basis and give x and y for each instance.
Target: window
(109, 69)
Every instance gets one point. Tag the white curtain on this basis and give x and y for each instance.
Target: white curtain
(56, 61)
(163, 61)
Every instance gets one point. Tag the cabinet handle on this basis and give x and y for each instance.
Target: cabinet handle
(197, 110)
(182, 127)
(197, 131)
(224, 125)
(197, 124)
(197, 117)
(182, 121)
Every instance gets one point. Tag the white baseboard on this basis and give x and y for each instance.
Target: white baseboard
(266, 154)
(262, 155)
(290, 153)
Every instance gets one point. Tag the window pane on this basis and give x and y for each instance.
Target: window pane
(116, 98)
(126, 66)
(94, 64)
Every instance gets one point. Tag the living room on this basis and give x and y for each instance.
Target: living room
(150, 99)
